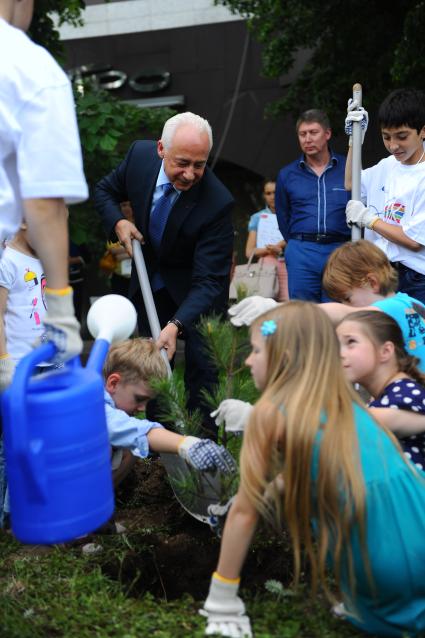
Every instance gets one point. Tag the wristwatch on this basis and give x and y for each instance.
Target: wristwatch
(179, 326)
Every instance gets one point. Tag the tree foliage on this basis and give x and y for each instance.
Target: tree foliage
(43, 29)
(367, 41)
(107, 126)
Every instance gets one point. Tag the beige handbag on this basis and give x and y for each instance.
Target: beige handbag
(254, 279)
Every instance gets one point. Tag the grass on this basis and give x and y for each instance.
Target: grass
(58, 592)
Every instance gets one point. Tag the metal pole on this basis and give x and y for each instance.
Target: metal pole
(356, 166)
(146, 289)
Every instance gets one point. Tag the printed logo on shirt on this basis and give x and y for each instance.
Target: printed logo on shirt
(394, 212)
(416, 329)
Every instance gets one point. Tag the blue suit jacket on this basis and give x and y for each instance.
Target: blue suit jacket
(195, 254)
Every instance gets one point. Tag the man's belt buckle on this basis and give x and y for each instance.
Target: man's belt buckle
(320, 237)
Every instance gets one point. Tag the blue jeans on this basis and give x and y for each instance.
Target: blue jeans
(305, 262)
(411, 282)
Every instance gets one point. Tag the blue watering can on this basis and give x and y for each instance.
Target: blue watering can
(55, 436)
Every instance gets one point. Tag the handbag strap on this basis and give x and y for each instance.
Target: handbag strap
(251, 257)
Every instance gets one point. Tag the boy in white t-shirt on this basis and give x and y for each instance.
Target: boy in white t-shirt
(394, 190)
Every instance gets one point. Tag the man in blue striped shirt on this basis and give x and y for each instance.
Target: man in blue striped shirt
(310, 207)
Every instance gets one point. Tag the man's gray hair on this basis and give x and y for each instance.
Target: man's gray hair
(183, 119)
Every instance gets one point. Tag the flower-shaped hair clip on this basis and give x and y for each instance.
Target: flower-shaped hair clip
(268, 328)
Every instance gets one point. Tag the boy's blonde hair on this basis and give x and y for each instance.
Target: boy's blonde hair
(350, 264)
(135, 360)
(285, 437)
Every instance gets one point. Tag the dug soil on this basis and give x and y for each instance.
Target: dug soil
(168, 553)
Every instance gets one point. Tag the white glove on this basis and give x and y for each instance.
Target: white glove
(217, 516)
(355, 114)
(225, 611)
(358, 213)
(233, 413)
(61, 325)
(244, 312)
(7, 368)
(205, 455)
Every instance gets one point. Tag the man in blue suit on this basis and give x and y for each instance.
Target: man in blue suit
(182, 216)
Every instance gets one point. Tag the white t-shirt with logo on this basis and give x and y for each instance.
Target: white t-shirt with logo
(40, 153)
(23, 277)
(396, 192)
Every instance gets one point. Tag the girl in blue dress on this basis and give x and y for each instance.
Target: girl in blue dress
(314, 457)
(373, 354)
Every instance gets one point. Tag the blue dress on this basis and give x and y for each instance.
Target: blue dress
(395, 537)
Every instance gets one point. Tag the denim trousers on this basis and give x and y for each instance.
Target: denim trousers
(411, 282)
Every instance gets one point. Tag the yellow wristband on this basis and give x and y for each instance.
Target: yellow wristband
(61, 292)
(5, 356)
(181, 442)
(223, 579)
(373, 223)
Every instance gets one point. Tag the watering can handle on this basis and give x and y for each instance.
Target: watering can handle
(31, 452)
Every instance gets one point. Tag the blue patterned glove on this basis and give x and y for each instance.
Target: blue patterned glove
(205, 455)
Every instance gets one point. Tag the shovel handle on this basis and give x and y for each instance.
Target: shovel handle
(146, 289)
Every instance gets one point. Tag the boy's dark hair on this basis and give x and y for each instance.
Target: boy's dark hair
(313, 115)
(403, 107)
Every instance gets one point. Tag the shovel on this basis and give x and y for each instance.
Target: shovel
(194, 490)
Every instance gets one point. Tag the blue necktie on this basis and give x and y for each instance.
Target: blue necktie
(159, 215)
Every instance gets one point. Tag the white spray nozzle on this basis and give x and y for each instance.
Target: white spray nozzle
(112, 317)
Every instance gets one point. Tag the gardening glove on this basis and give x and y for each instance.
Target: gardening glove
(224, 610)
(244, 312)
(205, 455)
(61, 326)
(355, 114)
(7, 368)
(233, 413)
(358, 213)
(217, 516)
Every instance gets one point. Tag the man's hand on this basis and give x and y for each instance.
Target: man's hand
(7, 368)
(233, 413)
(205, 455)
(225, 611)
(126, 231)
(357, 213)
(244, 312)
(355, 114)
(168, 339)
(61, 325)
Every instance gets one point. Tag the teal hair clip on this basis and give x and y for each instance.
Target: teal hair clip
(268, 328)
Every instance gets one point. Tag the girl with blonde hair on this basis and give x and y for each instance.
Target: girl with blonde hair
(313, 457)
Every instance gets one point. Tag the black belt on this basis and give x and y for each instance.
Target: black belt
(402, 268)
(319, 238)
